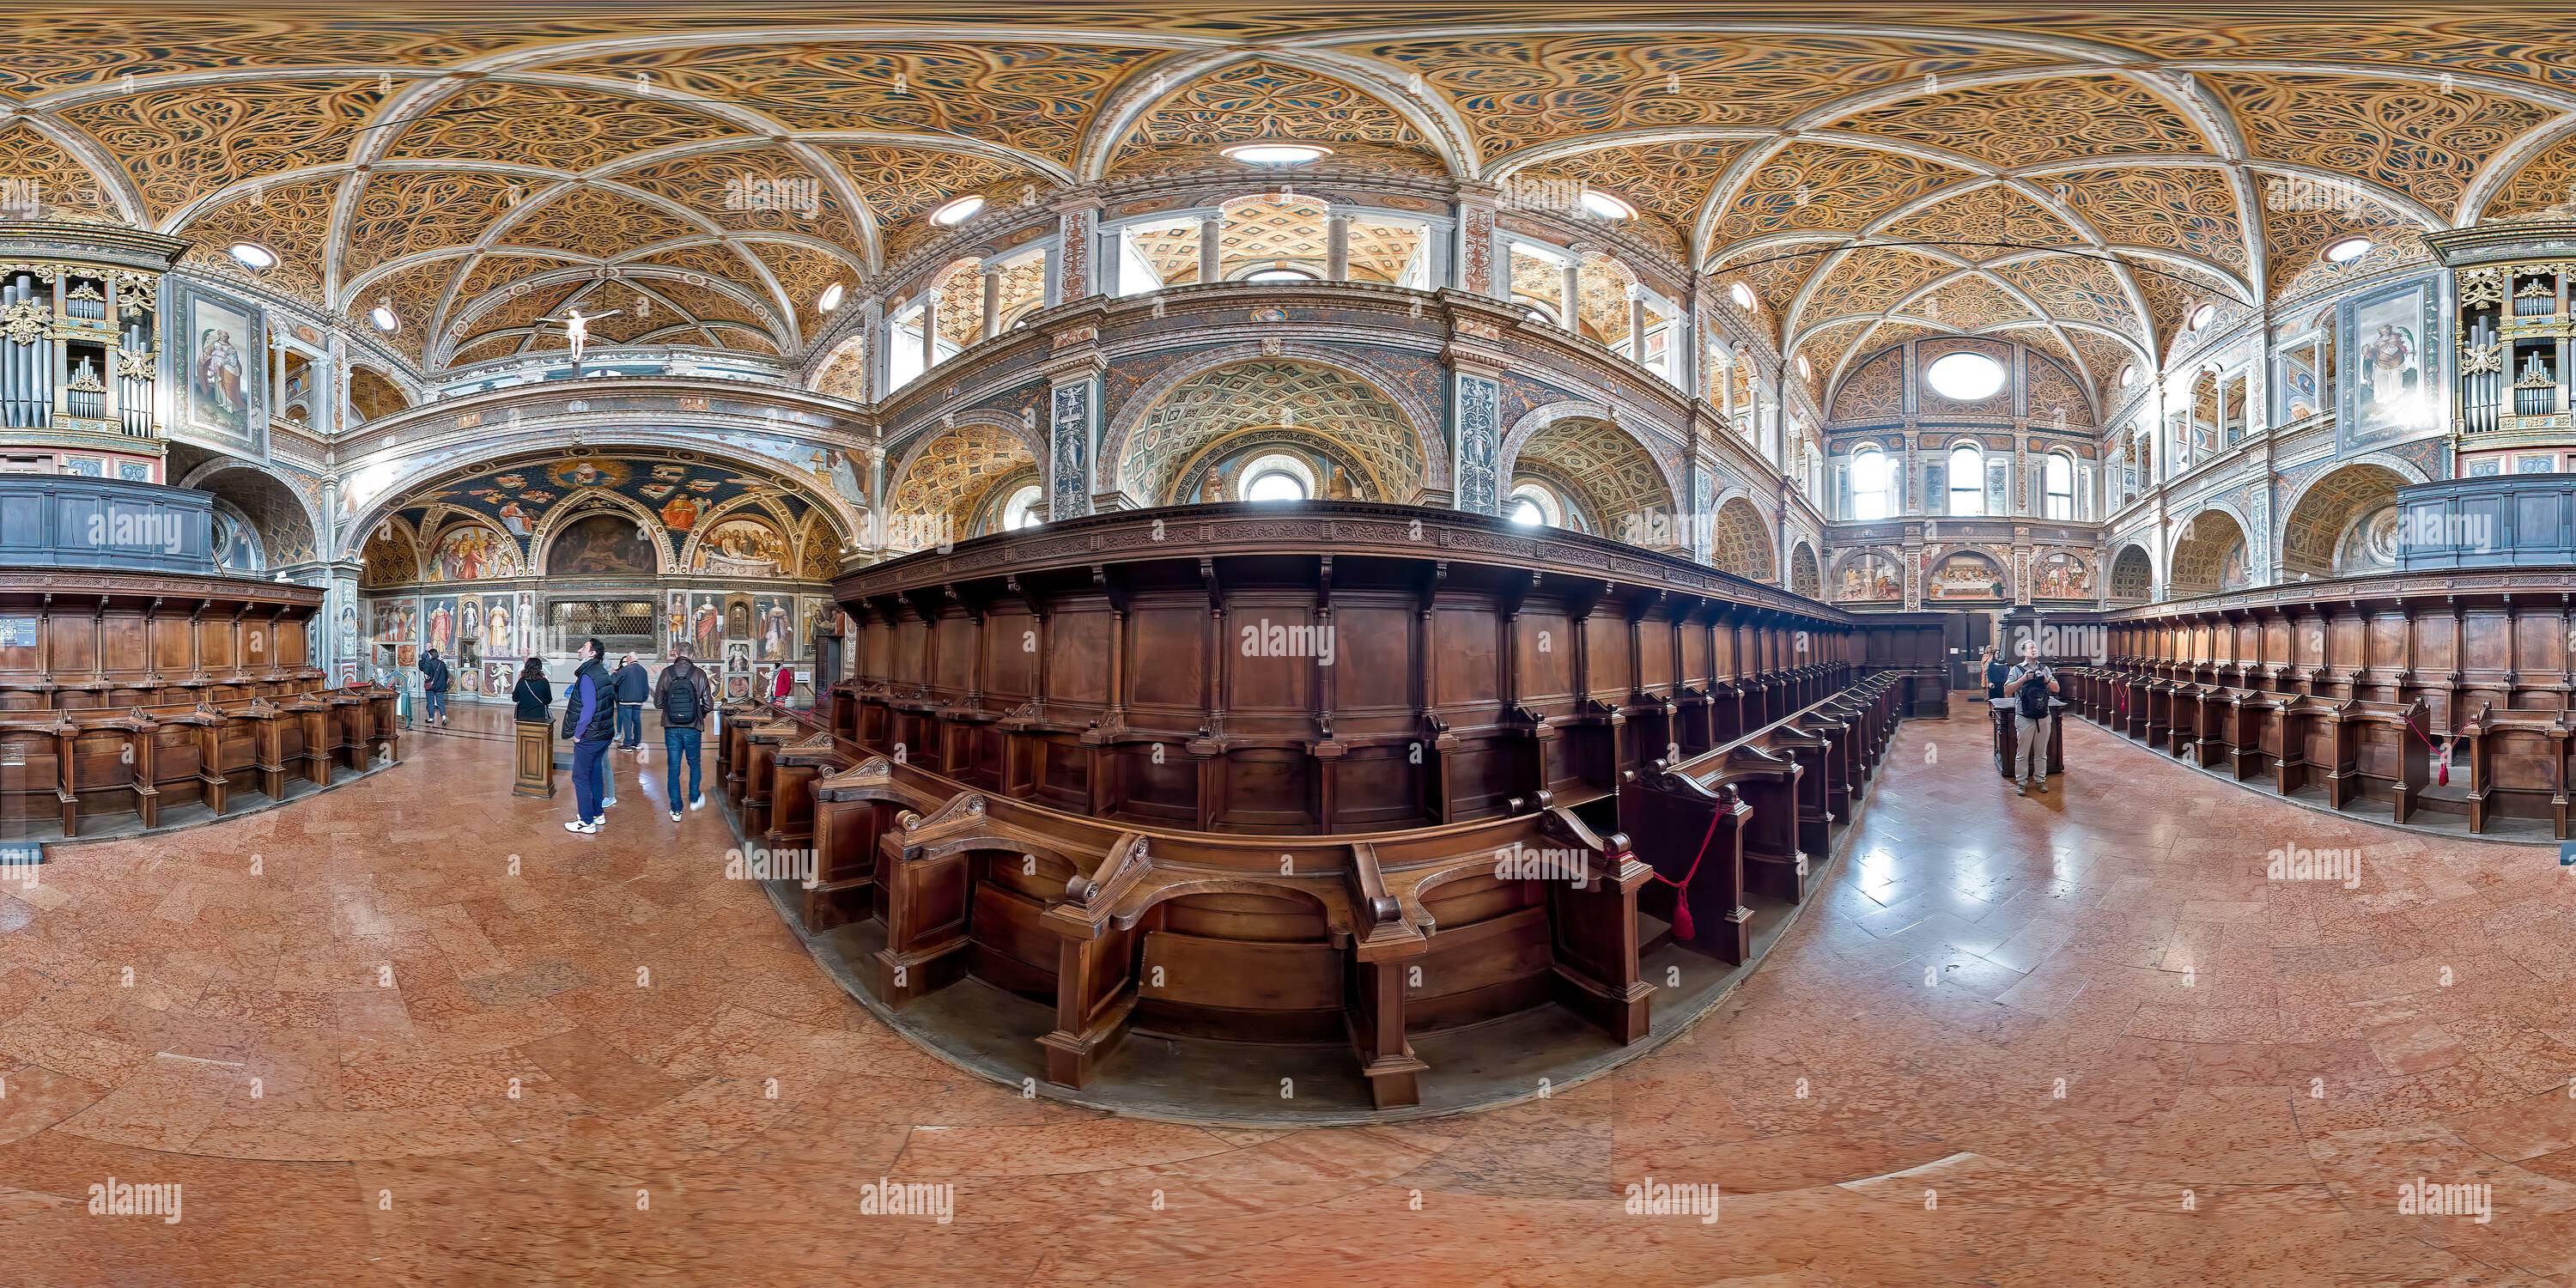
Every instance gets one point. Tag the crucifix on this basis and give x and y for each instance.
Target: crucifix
(577, 330)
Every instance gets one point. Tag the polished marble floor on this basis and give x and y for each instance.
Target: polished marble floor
(412, 1031)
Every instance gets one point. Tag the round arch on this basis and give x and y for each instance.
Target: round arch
(1740, 541)
(276, 510)
(411, 475)
(2210, 554)
(1805, 576)
(1420, 421)
(583, 504)
(2133, 575)
(2321, 517)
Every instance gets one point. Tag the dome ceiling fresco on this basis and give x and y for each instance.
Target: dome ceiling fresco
(2083, 178)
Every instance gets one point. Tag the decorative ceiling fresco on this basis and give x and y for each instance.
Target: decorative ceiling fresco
(491, 520)
(708, 174)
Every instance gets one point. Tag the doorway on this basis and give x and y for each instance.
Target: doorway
(1964, 637)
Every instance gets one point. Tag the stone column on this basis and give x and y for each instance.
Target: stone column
(1337, 247)
(1211, 246)
(1571, 291)
(1075, 276)
(992, 300)
(1637, 325)
(929, 330)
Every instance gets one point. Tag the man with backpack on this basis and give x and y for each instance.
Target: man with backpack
(434, 681)
(684, 697)
(2032, 686)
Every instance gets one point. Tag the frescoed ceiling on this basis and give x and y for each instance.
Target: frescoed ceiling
(2087, 172)
(678, 490)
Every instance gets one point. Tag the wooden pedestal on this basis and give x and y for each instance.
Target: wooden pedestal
(536, 760)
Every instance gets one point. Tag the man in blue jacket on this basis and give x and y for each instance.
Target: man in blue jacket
(434, 681)
(633, 687)
(590, 720)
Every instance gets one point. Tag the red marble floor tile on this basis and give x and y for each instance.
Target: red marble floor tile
(2055, 1015)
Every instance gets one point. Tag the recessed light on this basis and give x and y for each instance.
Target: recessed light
(2128, 375)
(957, 212)
(2348, 250)
(831, 298)
(254, 256)
(1601, 205)
(384, 319)
(1277, 153)
(2200, 316)
(1741, 294)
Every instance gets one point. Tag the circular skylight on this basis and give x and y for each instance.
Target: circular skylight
(384, 319)
(254, 256)
(1601, 205)
(1806, 370)
(1741, 294)
(2128, 375)
(1279, 275)
(2348, 250)
(1277, 153)
(2200, 316)
(1964, 377)
(957, 212)
(831, 298)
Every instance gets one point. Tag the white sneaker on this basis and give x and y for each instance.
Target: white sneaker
(578, 826)
(675, 816)
(697, 802)
(608, 802)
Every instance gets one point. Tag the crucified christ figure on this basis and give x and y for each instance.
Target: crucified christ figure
(577, 328)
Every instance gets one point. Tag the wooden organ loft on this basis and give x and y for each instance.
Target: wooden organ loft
(2517, 333)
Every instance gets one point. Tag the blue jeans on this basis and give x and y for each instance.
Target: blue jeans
(630, 724)
(677, 743)
(437, 709)
(589, 760)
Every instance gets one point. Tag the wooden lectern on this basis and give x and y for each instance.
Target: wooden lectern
(536, 757)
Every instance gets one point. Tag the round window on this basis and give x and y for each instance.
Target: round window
(1964, 377)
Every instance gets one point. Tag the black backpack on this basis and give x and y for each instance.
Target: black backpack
(2033, 698)
(680, 707)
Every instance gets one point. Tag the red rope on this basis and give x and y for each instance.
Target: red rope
(1682, 927)
(2441, 755)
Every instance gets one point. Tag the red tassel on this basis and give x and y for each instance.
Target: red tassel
(2442, 775)
(1682, 928)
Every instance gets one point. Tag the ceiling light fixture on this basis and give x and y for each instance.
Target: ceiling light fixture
(384, 319)
(1601, 205)
(253, 256)
(957, 212)
(1277, 154)
(2348, 250)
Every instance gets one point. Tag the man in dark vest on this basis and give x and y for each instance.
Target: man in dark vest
(590, 720)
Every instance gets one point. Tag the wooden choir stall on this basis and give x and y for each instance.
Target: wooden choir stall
(1342, 774)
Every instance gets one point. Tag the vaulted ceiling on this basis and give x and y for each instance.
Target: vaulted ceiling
(2081, 179)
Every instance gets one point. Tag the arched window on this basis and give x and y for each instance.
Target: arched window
(1871, 473)
(1277, 478)
(1533, 506)
(2057, 486)
(1967, 480)
(1021, 511)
